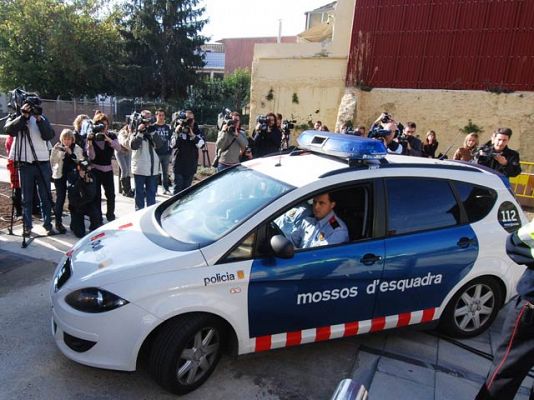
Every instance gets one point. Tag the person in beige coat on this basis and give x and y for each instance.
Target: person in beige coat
(63, 158)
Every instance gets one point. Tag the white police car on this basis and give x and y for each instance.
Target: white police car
(210, 269)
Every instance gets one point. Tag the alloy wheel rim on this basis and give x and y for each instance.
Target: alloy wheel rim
(198, 356)
(474, 307)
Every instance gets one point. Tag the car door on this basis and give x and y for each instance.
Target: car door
(317, 287)
(429, 245)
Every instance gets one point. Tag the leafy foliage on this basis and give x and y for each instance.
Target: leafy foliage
(208, 98)
(472, 128)
(56, 48)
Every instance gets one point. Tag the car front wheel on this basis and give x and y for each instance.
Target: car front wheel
(473, 308)
(185, 352)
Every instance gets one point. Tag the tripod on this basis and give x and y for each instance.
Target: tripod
(206, 163)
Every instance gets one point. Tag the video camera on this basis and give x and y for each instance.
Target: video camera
(180, 123)
(83, 164)
(135, 119)
(263, 121)
(18, 97)
(92, 131)
(287, 125)
(485, 154)
(378, 133)
(225, 117)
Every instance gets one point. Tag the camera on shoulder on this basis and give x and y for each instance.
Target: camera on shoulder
(19, 97)
(263, 122)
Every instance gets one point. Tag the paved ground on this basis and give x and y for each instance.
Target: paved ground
(399, 365)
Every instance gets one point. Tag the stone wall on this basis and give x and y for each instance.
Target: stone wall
(447, 111)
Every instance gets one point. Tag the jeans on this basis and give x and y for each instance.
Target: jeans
(164, 160)
(105, 179)
(61, 194)
(40, 173)
(182, 182)
(125, 163)
(145, 187)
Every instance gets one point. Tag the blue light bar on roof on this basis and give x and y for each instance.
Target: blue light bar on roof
(341, 145)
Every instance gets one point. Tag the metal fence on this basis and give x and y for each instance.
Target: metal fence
(63, 112)
(523, 184)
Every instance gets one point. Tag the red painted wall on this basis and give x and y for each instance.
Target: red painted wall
(443, 44)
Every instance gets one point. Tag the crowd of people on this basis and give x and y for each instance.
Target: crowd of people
(147, 148)
(402, 139)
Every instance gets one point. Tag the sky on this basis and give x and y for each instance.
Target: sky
(255, 18)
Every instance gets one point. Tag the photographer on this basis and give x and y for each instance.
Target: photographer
(100, 147)
(124, 159)
(164, 132)
(496, 154)
(412, 146)
(386, 132)
(63, 160)
(79, 137)
(82, 192)
(286, 127)
(32, 131)
(231, 141)
(267, 137)
(186, 140)
(145, 162)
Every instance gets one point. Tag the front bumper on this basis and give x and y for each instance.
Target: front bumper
(108, 340)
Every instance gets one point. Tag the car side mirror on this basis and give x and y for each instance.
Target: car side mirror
(282, 246)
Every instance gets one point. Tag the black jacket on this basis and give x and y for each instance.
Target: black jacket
(266, 142)
(513, 168)
(186, 151)
(16, 124)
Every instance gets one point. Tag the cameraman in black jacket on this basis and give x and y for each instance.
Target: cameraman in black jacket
(30, 153)
(267, 137)
(411, 143)
(82, 192)
(186, 140)
(498, 156)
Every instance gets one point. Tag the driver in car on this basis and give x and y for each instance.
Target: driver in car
(324, 228)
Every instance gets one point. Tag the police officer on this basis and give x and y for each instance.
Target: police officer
(515, 355)
(323, 228)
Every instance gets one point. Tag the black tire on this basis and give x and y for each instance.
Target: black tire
(473, 308)
(185, 352)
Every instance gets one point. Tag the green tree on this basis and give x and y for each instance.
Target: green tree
(209, 97)
(162, 47)
(57, 48)
(237, 88)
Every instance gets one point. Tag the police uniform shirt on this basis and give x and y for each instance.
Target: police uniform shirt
(313, 233)
(288, 221)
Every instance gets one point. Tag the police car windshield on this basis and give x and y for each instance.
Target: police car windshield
(215, 207)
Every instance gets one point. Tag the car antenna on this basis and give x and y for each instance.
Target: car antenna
(279, 163)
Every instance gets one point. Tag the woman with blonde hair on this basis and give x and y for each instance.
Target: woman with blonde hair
(63, 158)
(466, 152)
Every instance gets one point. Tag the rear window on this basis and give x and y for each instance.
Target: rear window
(477, 200)
(417, 204)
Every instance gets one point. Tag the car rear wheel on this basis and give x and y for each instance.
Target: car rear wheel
(185, 352)
(473, 308)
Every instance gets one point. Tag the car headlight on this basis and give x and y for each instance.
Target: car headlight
(94, 300)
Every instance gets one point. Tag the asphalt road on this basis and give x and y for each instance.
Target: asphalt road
(31, 366)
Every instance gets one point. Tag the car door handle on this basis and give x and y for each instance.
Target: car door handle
(370, 259)
(465, 242)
